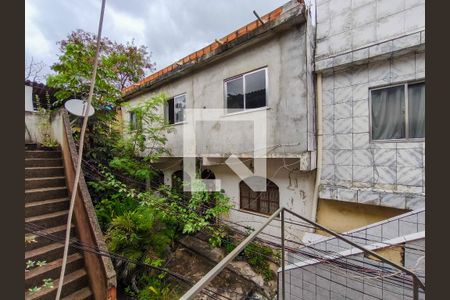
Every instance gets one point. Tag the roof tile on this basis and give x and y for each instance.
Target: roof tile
(273, 15)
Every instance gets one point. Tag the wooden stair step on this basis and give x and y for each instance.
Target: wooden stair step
(43, 162)
(42, 182)
(36, 208)
(73, 282)
(49, 252)
(31, 146)
(50, 219)
(55, 232)
(52, 269)
(46, 193)
(36, 172)
(83, 294)
(42, 154)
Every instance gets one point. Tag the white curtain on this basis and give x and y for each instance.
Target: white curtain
(388, 113)
(416, 110)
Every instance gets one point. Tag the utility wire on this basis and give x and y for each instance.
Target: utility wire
(378, 274)
(75, 243)
(328, 253)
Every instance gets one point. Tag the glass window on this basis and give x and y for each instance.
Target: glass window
(135, 121)
(262, 202)
(255, 89)
(247, 91)
(388, 106)
(398, 112)
(235, 94)
(174, 109)
(416, 110)
(180, 105)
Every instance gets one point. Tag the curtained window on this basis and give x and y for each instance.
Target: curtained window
(262, 202)
(398, 112)
(416, 110)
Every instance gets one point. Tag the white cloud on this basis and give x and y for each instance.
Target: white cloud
(123, 27)
(170, 29)
(35, 42)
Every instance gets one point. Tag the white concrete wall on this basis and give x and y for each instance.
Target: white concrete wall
(33, 132)
(287, 109)
(29, 98)
(295, 191)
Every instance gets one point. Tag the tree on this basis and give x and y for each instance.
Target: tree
(34, 70)
(120, 65)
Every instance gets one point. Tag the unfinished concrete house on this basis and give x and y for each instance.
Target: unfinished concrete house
(261, 70)
(370, 67)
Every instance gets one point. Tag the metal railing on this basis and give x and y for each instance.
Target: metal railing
(202, 283)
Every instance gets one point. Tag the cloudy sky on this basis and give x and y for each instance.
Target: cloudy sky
(170, 29)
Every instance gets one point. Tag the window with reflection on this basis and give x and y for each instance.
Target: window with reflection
(247, 91)
(174, 109)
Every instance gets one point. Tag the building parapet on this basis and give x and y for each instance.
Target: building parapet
(397, 46)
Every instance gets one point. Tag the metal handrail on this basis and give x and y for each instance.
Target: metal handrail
(416, 280)
(202, 283)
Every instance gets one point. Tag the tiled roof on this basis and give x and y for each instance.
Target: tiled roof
(195, 56)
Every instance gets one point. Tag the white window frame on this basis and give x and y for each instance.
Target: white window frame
(243, 75)
(406, 113)
(174, 113)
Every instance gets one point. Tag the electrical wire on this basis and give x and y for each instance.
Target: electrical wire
(378, 273)
(76, 244)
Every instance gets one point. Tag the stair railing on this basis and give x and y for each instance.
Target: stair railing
(100, 270)
(202, 283)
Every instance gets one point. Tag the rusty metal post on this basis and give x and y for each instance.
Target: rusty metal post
(278, 285)
(283, 282)
(415, 289)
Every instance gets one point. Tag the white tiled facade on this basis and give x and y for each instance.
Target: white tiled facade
(371, 44)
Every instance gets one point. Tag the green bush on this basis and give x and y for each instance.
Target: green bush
(257, 257)
(142, 226)
(144, 235)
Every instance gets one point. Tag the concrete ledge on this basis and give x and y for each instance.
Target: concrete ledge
(397, 46)
(371, 196)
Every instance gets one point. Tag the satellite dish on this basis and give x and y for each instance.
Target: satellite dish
(78, 107)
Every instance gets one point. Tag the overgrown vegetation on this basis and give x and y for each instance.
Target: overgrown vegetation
(44, 122)
(256, 254)
(141, 222)
(144, 225)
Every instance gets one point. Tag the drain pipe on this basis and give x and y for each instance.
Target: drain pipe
(319, 144)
